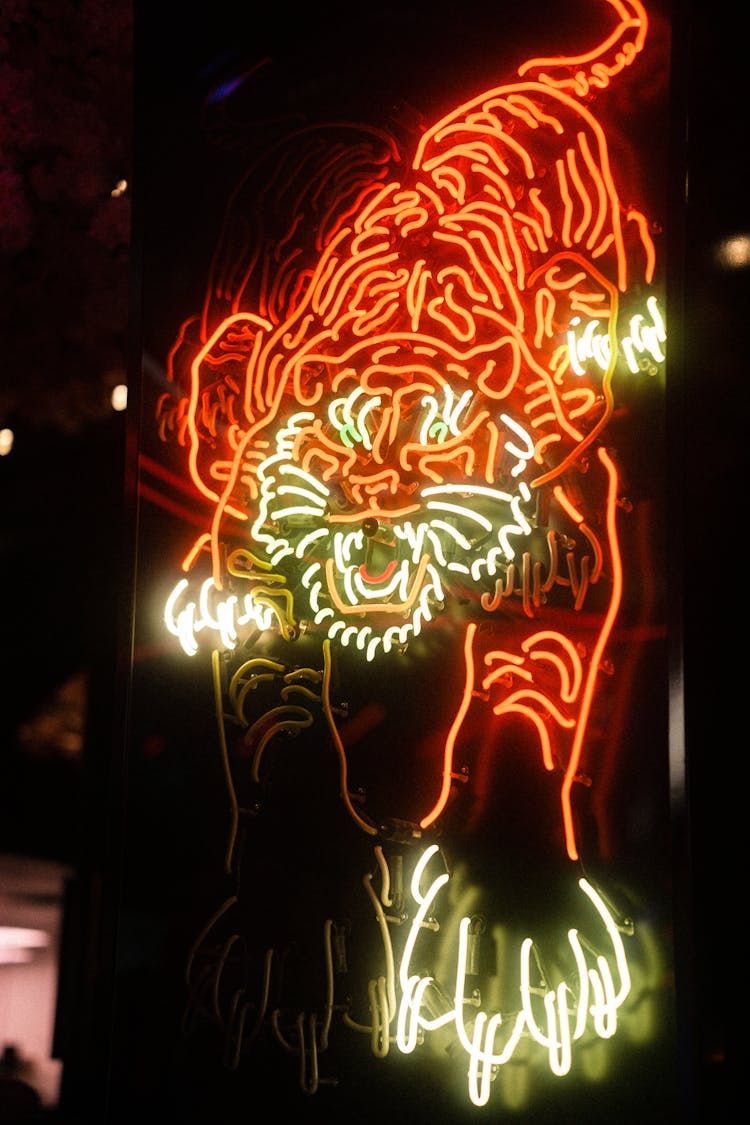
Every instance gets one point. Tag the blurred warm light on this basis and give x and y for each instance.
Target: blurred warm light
(119, 397)
(733, 253)
(20, 937)
(17, 942)
(6, 441)
(119, 189)
(9, 955)
(57, 728)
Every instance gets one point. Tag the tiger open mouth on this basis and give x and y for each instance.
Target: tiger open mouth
(374, 581)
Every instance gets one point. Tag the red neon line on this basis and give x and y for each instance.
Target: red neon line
(154, 496)
(588, 691)
(632, 18)
(453, 733)
(160, 471)
(378, 580)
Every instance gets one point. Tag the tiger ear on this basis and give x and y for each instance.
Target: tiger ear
(576, 341)
(225, 365)
(216, 395)
(567, 290)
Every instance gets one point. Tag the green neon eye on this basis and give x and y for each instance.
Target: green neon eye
(349, 416)
(443, 414)
(349, 435)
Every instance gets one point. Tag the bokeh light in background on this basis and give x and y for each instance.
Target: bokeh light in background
(66, 138)
(733, 253)
(120, 397)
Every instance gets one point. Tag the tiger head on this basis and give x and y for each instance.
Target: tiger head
(404, 364)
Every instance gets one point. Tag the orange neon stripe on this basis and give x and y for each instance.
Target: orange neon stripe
(596, 656)
(455, 728)
(596, 547)
(585, 397)
(494, 438)
(632, 18)
(436, 134)
(179, 341)
(606, 387)
(471, 132)
(541, 727)
(512, 702)
(583, 194)
(593, 168)
(201, 542)
(567, 222)
(566, 504)
(569, 687)
(647, 242)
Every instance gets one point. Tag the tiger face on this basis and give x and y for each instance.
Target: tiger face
(385, 479)
(396, 396)
(403, 489)
(399, 393)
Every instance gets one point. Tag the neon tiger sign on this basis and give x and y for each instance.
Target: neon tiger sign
(395, 403)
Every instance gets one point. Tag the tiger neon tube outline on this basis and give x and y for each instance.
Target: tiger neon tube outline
(402, 392)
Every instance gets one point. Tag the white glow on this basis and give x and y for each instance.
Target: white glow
(310, 573)
(17, 944)
(459, 510)
(449, 422)
(362, 638)
(734, 253)
(351, 588)
(641, 346)
(352, 430)
(295, 471)
(12, 956)
(523, 455)
(295, 510)
(464, 489)
(306, 542)
(554, 1018)
(213, 612)
(591, 345)
(414, 537)
(645, 338)
(295, 490)
(573, 347)
(119, 397)
(436, 545)
(429, 402)
(19, 937)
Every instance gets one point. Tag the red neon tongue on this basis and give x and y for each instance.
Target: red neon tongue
(378, 581)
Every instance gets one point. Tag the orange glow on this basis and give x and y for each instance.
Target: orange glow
(590, 683)
(451, 740)
(450, 359)
(396, 425)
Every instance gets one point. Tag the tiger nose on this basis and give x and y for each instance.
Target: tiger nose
(377, 483)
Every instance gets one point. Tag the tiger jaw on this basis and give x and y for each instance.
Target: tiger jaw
(376, 590)
(376, 582)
